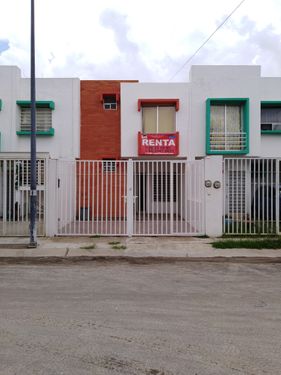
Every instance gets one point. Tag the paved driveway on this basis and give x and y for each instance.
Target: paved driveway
(95, 318)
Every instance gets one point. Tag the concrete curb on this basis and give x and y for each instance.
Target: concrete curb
(134, 260)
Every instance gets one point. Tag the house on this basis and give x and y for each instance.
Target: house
(58, 137)
(193, 158)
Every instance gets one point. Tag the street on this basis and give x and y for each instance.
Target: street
(153, 319)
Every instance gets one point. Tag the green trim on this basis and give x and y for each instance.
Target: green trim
(271, 132)
(0, 104)
(244, 102)
(270, 104)
(39, 104)
(48, 133)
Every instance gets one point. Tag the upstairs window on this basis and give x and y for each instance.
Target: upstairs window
(109, 101)
(270, 117)
(158, 120)
(43, 117)
(158, 115)
(227, 124)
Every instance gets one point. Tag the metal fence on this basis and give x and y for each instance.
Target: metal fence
(131, 198)
(251, 196)
(15, 196)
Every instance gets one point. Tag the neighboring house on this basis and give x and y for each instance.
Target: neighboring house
(58, 114)
(58, 137)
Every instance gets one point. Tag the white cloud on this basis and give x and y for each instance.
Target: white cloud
(147, 40)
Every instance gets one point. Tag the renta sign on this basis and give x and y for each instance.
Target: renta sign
(158, 144)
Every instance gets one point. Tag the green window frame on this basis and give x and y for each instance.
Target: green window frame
(39, 104)
(275, 125)
(241, 139)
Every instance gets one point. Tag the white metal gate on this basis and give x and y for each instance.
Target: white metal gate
(252, 197)
(131, 197)
(15, 196)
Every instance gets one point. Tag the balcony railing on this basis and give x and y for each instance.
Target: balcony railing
(236, 141)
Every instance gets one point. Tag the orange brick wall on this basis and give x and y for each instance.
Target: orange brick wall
(100, 139)
(100, 129)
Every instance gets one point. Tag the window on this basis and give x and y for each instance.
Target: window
(109, 165)
(158, 119)
(109, 101)
(158, 115)
(270, 117)
(227, 123)
(43, 118)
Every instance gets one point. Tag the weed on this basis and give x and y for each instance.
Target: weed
(262, 243)
(88, 247)
(119, 247)
(114, 243)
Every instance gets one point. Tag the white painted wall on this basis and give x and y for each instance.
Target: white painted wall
(223, 82)
(65, 92)
(205, 82)
(270, 89)
(213, 197)
(131, 119)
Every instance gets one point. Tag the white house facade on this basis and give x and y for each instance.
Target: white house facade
(200, 157)
(58, 114)
(57, 138)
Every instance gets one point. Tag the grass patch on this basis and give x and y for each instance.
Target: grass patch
(119, 247)
(95, 236)
(114, 243)
(88, 247)
(263, 243)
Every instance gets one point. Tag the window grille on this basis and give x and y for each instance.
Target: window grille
(43, 119)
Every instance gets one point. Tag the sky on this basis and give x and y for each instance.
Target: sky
(148, 40)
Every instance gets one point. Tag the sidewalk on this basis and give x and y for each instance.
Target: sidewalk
(13, 249)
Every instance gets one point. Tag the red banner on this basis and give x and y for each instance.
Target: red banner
(158, 144)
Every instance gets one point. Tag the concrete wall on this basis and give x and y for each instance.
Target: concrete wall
(270, 90)
(131, 118)
(223, 82)
(65, 92)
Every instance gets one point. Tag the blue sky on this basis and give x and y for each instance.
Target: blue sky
(4, 45)
(147, 40)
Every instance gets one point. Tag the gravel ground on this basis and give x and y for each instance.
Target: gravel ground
(158, 319)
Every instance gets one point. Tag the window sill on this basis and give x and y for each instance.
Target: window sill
(48, 133)
(227, 152)
(272, 132)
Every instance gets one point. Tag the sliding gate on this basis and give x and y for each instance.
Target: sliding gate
(131, 197)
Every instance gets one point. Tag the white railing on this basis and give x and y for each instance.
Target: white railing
(15, 196)
(252, 199)
(235, 141)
